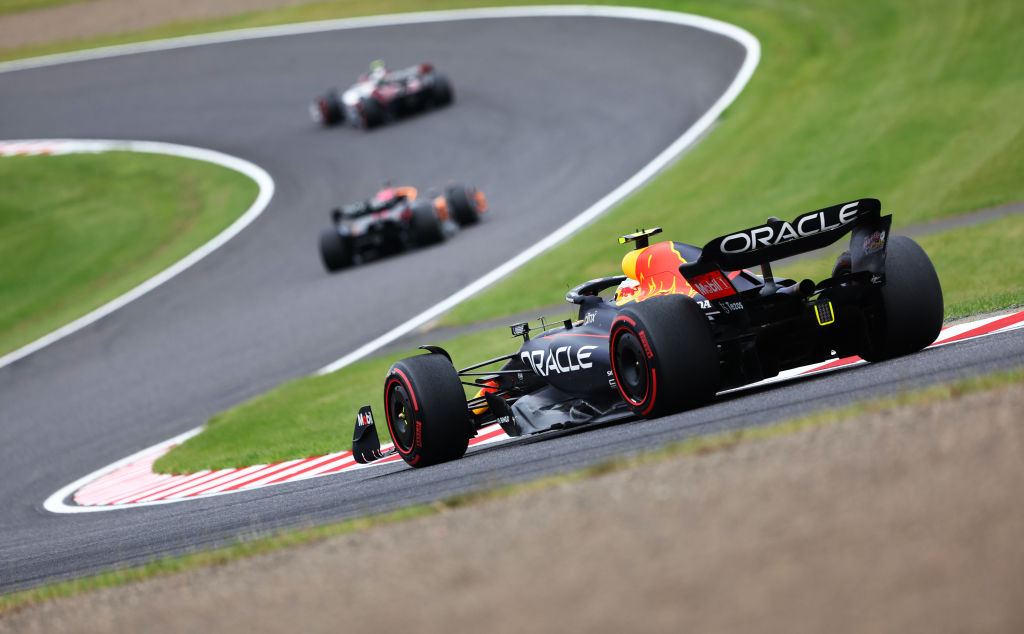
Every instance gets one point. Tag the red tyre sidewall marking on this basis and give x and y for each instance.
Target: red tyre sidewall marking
(387, 414)
(615, 371)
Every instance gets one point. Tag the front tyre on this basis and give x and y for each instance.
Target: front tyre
(464, 204)
(663, 356)
(425, 225)
(327, 110)
(371, 113)
(334, 252)
(909, 310)
(426, 410)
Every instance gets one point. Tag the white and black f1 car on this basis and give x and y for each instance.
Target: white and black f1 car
(684, 324)
(396, 219)
(381, 95)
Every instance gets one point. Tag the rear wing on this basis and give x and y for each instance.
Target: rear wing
(778, 239)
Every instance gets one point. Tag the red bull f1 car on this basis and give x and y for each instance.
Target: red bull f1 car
(395, 220)
(683, 324)
(381, 95)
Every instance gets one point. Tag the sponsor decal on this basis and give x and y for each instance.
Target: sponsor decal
(647, 346)
(779, 232)
(874, 243)
(611, 380)
(364, 418)
(419, 434)
(704, 304)
(712, 285)
(589, 318)
(503, 420)
(560, 360)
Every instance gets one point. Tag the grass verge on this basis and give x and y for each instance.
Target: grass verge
(691, 447)
(315, 415)
(962, 257)
(913, 105)
(76, 232)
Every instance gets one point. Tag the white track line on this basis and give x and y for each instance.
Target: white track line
(55, 503)
(66, 146)
(137, 485)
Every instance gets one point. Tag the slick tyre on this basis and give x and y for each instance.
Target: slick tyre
(371, 113)
(426, 226)
(426, 411)
(908, 311)
(462, 202)
(330, 110)
(334, 252)
(441, 93)
(663, 356)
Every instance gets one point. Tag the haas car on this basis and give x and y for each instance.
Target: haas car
(381, 95)
(683, 324)
(395, 220)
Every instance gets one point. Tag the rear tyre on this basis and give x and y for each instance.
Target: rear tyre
(334, 252)
(426, 411)
(909, 310)
(441, 92)
(663, 356)
(463, 205)
(426, 226)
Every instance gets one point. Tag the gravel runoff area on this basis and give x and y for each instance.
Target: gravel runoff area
(900, 521)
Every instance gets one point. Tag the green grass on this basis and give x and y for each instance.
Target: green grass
(915, 104)
(697, 446)
(306, 417)
(979, 267)
(316, 415)
(78, 230)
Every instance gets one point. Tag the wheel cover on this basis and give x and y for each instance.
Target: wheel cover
(631, 370)
(400, 417)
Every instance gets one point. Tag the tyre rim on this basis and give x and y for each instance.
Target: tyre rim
(631, 367)
(400, 416)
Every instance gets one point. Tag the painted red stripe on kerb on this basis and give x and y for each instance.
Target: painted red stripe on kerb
(347, 454)
(838, 363)
(183, 484)
(1003, 322)
(238, 475)
(267, 475)
(136, 482)
(115, 482)
(229, 476)
(149, 484)
(175, 481)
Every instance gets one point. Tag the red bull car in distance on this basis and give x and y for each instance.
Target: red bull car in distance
(395, 220)
(683, 324)
(381, 95)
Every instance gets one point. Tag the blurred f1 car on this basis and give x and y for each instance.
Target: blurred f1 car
(395, 220)
(684, 323)
(381, 95)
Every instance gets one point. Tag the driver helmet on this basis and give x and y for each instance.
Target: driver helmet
(377, 70)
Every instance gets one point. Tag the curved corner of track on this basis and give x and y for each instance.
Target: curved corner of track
(130, 482)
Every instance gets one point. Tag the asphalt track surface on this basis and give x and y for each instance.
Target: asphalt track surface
(551, 114)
